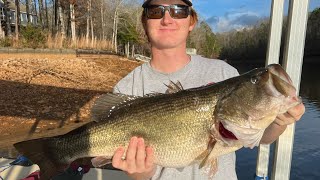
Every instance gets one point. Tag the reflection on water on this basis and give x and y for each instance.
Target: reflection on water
(310, 85)
(306, 152)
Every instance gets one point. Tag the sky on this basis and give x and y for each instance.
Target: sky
(225, 15)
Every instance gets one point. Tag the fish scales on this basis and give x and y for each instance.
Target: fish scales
(173, 117)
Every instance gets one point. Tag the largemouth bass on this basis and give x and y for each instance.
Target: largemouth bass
(188, 126)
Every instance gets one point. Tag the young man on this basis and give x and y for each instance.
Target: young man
(167, 24)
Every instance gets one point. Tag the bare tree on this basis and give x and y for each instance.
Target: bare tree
(17, 17)
(2, 34)
(40, 2)
(35, 9)
(73, 21)
(91, 23)
(117, 4)
(28, 11)
(55, 16)
(62, 19)
(8, 26)
(46, 15)
(102, 20)
(88, 21)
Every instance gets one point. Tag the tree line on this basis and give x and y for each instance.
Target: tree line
(251, 44)
(117, 22)
(75, 20)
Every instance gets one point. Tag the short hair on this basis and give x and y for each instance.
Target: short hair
(193, 19)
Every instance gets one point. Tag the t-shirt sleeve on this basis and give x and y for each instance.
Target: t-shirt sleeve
(124, 86)
(230, 72)
(116, 89)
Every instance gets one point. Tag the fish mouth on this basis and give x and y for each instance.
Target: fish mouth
(225, 133)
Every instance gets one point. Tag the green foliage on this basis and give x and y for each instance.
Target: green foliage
(245, 44)
(130, 30)
(33, 37)
(6, 42)
(251, 44)
(128, 33)
(204, 40)
(209, 47)
(312, 47)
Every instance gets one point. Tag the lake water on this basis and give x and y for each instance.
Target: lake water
(306, 149)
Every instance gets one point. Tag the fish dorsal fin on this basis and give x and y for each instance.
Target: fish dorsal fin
(174, 87)
(106, 104)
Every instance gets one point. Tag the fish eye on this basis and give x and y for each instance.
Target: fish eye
(254, 80)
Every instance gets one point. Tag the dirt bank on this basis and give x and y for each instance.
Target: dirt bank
(44, 95)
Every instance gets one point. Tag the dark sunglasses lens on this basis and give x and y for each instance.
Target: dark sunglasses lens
(179, 12)
(155, 12)
(176, 11)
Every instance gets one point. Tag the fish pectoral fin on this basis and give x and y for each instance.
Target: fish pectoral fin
(204, 160)
(206, 154)
(100, 161)
(211, 167)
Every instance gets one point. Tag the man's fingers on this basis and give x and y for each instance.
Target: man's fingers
(293, 115)
(149, 158)
(285, 119)
(141, 155)
(117, 161)
(131, 155)
(138, 159)
(297, 111)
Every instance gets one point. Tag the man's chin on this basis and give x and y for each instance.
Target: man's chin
(166, 45)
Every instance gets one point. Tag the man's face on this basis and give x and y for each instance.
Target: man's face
(168, 32)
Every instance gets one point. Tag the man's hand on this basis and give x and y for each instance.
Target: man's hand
(138, 162)
(279, 125)
(291, 116)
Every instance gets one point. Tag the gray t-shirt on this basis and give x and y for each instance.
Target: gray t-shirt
(198, 72)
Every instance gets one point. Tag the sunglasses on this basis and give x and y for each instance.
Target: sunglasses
(176, 11)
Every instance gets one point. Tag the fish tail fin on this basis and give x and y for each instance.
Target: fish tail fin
(39, 153)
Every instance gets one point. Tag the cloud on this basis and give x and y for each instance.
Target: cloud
(233, 20)
(213, 20)
(246, 19)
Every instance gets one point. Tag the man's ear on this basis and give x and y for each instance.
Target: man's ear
(192, 25)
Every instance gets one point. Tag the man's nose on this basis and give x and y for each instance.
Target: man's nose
(167, 19)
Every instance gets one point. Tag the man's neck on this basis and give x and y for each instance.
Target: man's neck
(169, 60)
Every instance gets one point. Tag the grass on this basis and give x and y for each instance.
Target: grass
(59, 42)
